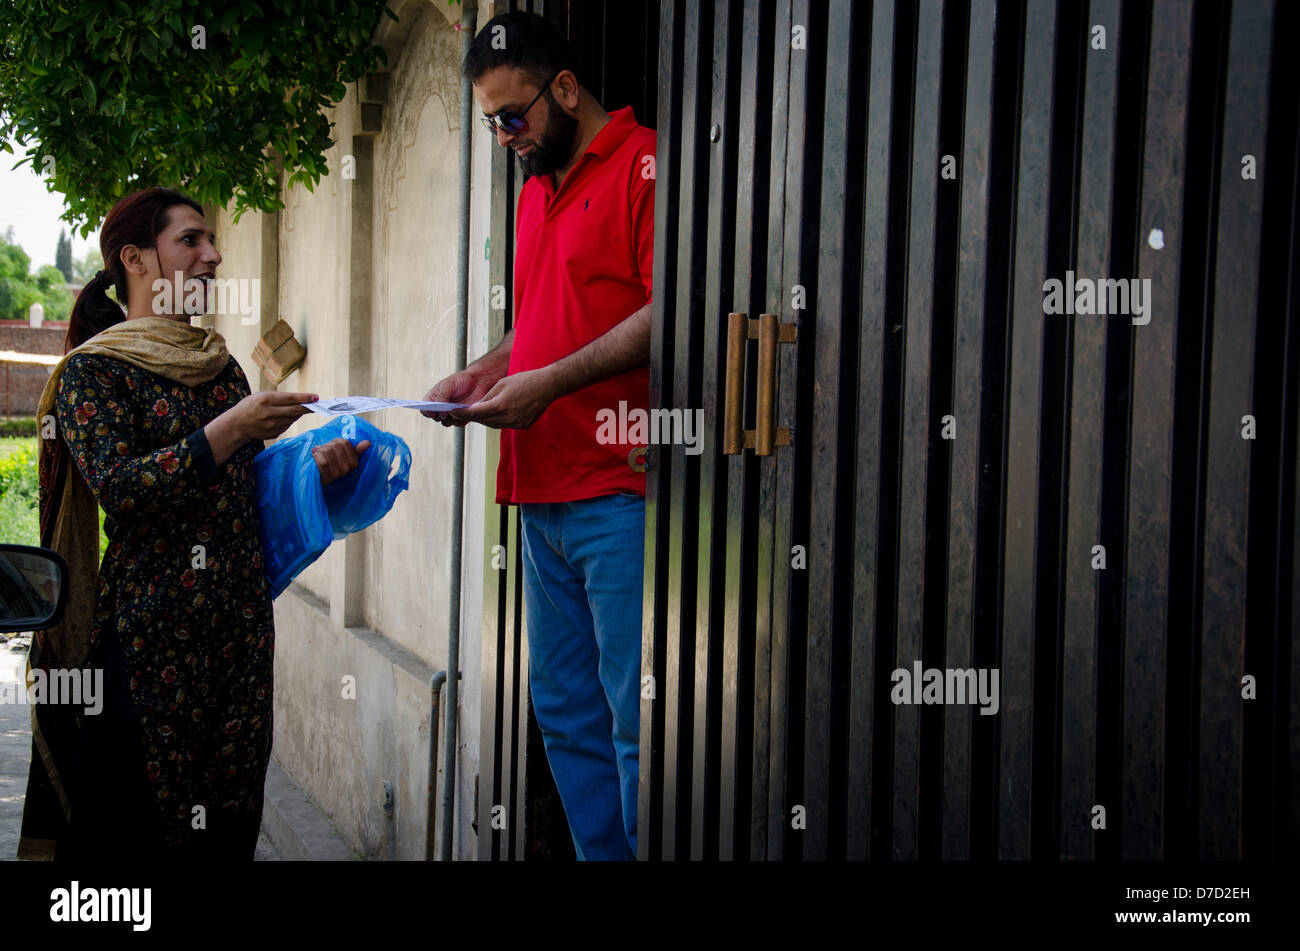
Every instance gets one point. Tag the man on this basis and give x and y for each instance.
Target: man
(580, 343)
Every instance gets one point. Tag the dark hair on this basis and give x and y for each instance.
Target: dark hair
(529, 42)
(136, 219)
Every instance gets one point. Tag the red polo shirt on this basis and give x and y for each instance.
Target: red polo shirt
(584, 257)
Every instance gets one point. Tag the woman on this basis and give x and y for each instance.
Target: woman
(154, 421)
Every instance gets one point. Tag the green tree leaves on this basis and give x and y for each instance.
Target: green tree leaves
(19, 289)
(83, 269)
(63, 256)
(127, 95)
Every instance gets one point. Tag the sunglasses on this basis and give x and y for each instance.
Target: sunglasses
(511, 122)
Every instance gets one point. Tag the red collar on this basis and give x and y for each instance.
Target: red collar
(613, 134)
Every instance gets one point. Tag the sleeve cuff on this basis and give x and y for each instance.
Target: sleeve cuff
(205, 465)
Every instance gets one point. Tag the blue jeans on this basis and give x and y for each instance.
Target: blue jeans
(582, 597)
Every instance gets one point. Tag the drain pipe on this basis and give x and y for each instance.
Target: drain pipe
(390, 824)
(431, 827)
(468, 20)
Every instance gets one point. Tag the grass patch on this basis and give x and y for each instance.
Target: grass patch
(20, 522)
(10, 444)
(17, 426)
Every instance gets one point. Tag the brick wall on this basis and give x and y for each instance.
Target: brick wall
(20, 386)
(17, 335)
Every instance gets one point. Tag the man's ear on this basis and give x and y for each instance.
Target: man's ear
(566, 90)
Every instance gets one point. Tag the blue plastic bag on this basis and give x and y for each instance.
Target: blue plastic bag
(300, 517)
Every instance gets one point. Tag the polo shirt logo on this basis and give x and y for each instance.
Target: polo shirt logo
(587, 205)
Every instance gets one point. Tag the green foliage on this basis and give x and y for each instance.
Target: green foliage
(55, 299)
(63, 256)
(49, 276)
(211, 97)
(18, 468)
(20, 522)
(16, 426)
(19, 289)
(14, 261)
(83, 269)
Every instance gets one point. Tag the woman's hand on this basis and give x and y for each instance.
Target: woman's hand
(267, 414)
(337, 458)
(262, 416)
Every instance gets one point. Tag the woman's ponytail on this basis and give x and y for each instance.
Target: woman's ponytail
(92, 312)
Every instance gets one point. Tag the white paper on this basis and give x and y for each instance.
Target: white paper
(346, 405)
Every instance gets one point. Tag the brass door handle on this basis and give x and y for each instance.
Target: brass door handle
(768, 331)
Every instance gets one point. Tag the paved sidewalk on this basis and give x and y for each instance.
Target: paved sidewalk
(15, 746)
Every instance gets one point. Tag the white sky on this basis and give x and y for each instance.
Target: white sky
(34, 212)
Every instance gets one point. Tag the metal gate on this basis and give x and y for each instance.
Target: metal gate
(1100, 508)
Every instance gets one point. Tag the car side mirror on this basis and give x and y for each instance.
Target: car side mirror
(33, 587)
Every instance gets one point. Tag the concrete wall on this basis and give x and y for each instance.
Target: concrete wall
(364, 269)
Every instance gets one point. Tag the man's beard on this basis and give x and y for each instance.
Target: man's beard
(553, 151)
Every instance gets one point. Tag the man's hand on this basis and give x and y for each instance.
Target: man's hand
(465, 386)
(516, 401)
(337, 458)
(469, 385)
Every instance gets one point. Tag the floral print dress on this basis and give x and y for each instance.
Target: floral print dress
(183, 620)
